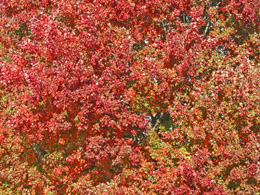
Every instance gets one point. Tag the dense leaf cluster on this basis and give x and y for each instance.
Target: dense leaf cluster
(129, 97)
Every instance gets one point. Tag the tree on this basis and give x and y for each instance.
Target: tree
(130, 97)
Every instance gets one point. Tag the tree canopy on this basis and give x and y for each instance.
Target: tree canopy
(129, 97)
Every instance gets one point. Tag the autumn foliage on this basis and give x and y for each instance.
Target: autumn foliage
(129, 97)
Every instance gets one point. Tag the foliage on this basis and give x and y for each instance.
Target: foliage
(129, 97)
